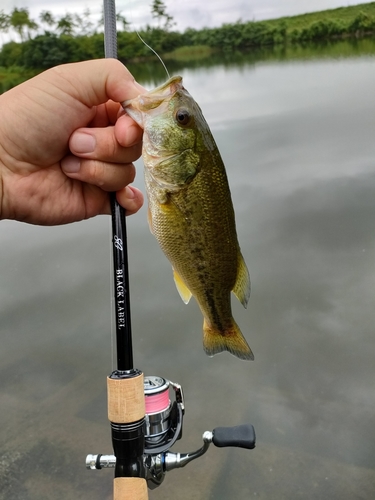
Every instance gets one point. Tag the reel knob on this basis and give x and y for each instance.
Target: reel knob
(241, 436)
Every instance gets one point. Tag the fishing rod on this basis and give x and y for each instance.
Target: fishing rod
(126, 404)
(145, 423)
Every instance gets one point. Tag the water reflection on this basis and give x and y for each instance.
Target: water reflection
(297, 139)
(152, 73)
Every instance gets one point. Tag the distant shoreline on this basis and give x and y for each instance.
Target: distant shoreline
(23, 59)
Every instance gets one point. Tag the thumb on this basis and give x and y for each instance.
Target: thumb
(94, 82)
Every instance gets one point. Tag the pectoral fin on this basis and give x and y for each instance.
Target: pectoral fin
(183, 290)
(242, 286)
(176, 171)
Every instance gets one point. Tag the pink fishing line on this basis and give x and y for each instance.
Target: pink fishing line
(157, 402)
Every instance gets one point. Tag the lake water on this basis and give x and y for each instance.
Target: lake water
(296, 132)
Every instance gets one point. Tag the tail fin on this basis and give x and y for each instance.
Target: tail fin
(231, 340)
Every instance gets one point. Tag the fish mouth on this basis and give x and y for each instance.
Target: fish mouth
(168, 87)
(152, 99)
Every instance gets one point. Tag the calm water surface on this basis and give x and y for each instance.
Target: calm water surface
(297, 137)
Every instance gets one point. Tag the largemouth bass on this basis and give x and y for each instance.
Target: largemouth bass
(191, 212)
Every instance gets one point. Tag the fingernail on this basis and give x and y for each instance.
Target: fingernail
(71, 164)
(82, 143)
(129, 193)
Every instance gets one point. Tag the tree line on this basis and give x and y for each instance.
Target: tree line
(74, 37)
(19, 22)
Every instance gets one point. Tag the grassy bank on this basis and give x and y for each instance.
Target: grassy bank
(186, 53)
(353, 21)
(341, 14)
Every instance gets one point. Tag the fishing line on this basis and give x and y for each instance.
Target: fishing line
(148, 46)
(154, 51)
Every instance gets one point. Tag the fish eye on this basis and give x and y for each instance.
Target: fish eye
(183, 116)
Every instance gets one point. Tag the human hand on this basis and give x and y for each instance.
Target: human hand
(64, 144)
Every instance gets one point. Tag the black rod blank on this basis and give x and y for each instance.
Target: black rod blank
(124, 344)
(120, 253)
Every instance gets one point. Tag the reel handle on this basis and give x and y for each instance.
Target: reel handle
(241, 436)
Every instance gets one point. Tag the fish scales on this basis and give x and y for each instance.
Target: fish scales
(200, 245)
(191, 212)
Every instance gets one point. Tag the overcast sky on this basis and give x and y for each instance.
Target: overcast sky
(186, 13)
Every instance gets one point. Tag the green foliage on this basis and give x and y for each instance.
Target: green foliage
(89, 47)
(237, 36)
(341, 14)
(189, 53)
(11, 54)
(4, 22)
(10, 77)
(48, 50)
(47, 17)
(332, 28)
(362, 23)
(319, 30)
(159, 11)
(20, 21)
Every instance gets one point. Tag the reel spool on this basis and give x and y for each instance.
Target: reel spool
(163, 418)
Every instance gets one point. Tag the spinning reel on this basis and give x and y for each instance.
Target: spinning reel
(163, 427)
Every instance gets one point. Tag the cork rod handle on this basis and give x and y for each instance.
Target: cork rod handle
(126, 400)
(126, 407)
(130, 488)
